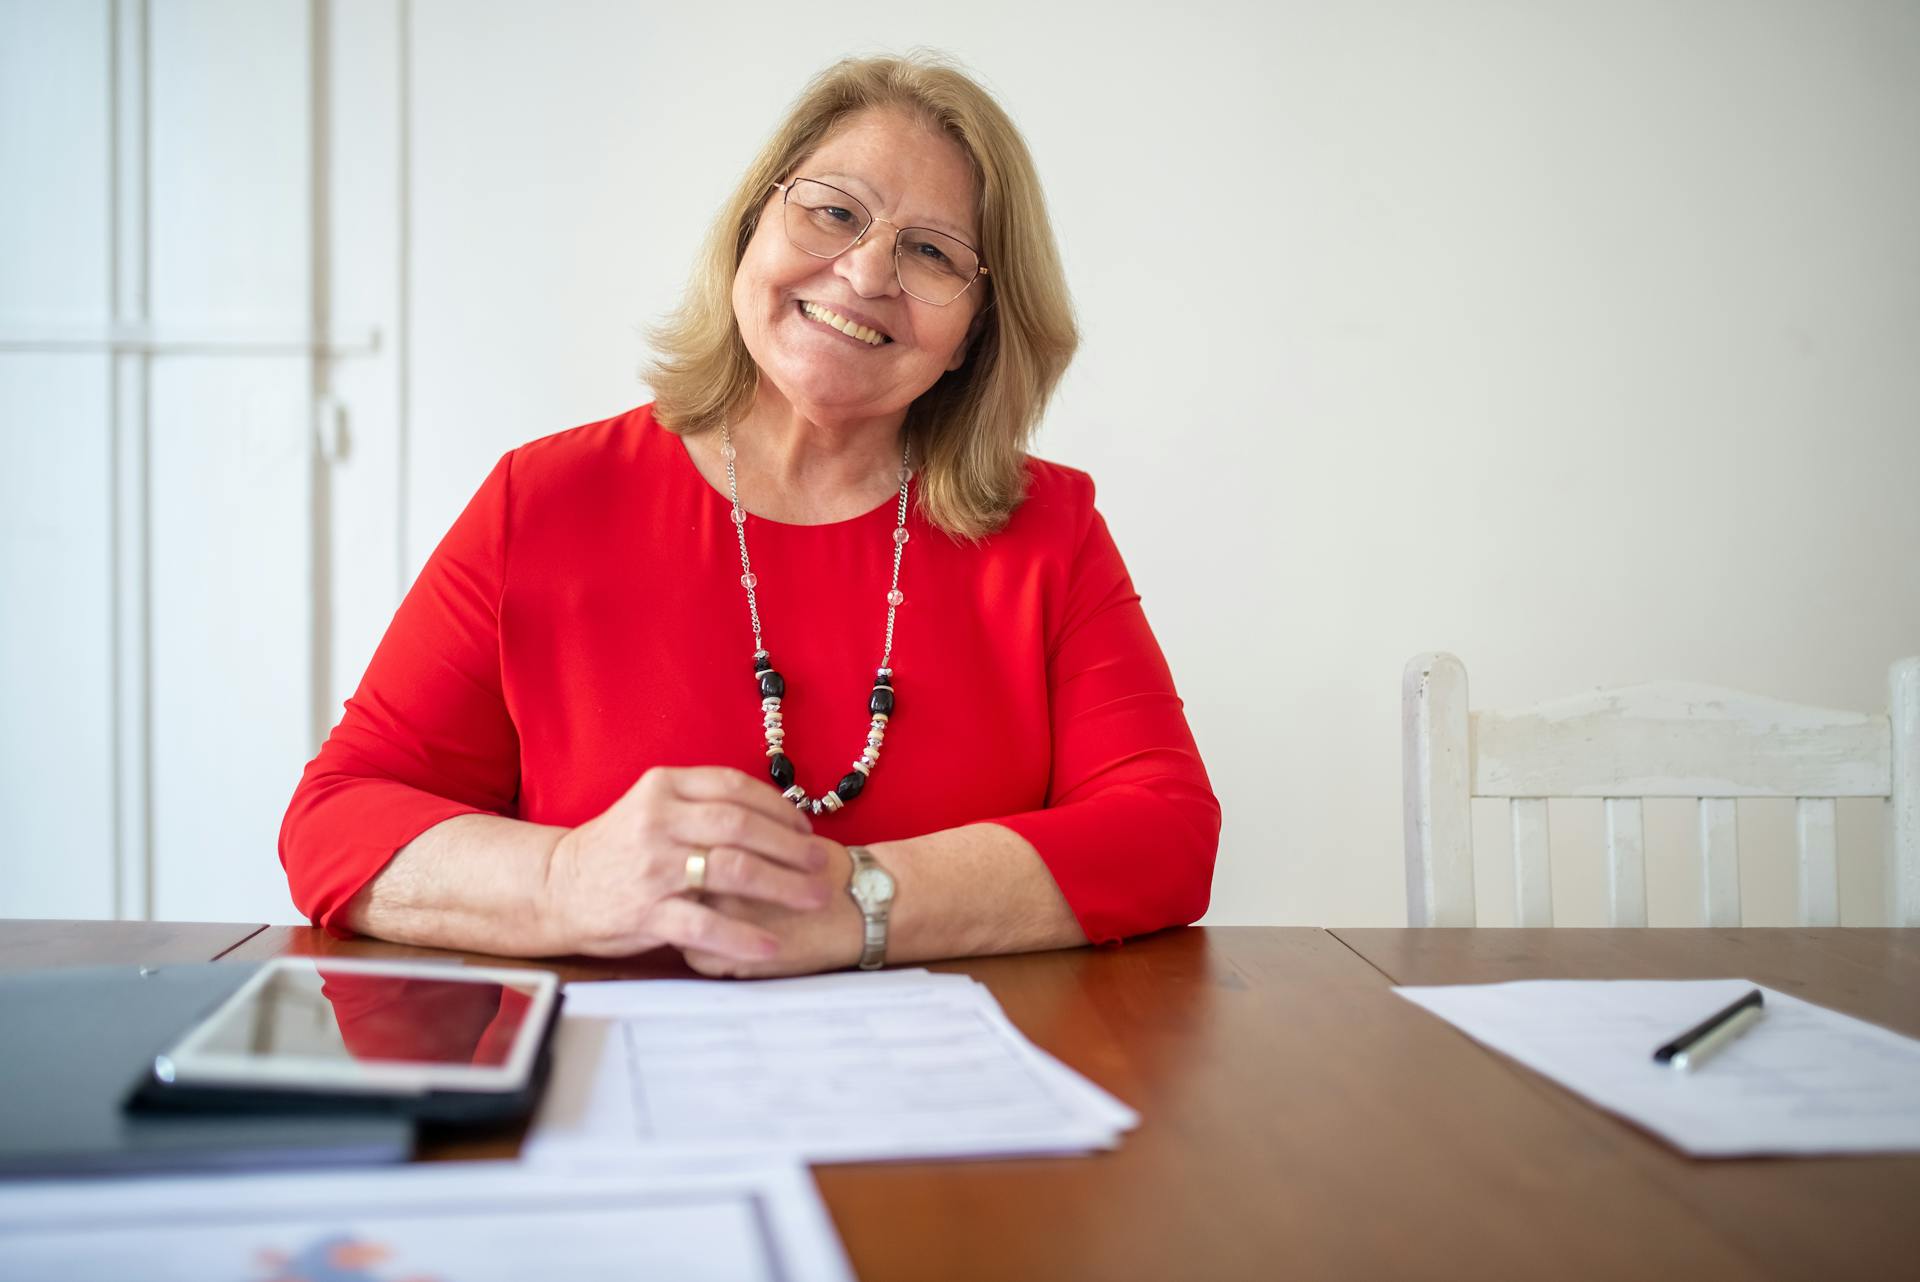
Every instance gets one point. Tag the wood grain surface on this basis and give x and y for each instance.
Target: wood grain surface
(34, 944)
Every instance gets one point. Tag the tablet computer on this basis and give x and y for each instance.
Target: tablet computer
(435, 1041)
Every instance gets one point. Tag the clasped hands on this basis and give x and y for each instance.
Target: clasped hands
(775, 896)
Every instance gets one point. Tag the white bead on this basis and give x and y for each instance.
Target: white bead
(770, 705)
(876, 738)
(863, 765)
(879, 718)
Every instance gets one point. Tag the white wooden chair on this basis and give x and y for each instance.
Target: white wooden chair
(1660, 740)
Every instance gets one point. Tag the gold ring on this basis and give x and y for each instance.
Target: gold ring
(696, 872)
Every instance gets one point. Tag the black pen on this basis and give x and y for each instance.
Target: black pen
(1701, 1042)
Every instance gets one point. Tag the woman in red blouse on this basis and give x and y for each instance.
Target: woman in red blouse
(808, 663)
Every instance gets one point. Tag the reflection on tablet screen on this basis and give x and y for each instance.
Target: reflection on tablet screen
(340, 1015)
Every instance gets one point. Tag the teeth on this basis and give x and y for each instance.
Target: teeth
(872, 337)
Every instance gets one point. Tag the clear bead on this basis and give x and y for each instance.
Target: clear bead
(749, 581)
(895, 597)
(739, 516)
(727, 452)
(900, 537)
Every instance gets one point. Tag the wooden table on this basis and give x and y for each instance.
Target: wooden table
(1299, 1120)
(31, 944)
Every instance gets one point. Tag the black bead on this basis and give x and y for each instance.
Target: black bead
(849, 787)
(884, 679)
(882, 700)
(772, 684)
(780, 766)
(762, 662)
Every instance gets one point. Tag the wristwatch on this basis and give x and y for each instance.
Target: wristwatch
(872, 888)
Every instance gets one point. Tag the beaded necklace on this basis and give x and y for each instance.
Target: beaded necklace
(773, 686)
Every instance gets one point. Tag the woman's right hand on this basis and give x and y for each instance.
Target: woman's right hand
(616, 885)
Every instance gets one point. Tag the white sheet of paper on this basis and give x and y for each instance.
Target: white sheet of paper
(432, 1222)
(900, 1064)
(1804, 1079)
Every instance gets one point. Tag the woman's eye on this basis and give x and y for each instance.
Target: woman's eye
(932, 254)
(836, 213)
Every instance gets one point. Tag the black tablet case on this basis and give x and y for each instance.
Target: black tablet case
(72, 1043)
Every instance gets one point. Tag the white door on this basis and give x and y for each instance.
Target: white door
(159, 365)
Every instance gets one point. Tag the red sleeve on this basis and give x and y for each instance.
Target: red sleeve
(426, 736)
(1131, 824)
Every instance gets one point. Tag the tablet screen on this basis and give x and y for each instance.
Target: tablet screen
(325, 1013)
(369, 1025)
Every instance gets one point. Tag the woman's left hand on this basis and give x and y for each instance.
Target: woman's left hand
(811, 941)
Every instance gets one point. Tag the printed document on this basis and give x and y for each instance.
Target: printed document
(897, 1064)
(444, 1222)
(1804, 1079)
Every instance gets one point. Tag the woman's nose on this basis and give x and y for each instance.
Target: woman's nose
(868, 266)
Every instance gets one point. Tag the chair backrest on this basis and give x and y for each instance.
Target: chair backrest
(1660, 740)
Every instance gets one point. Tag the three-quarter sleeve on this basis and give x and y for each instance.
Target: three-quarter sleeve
(426, 736)
(1131, 825)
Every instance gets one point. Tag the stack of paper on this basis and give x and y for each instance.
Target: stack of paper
(1805, 1079)
(479, 1222)
(902, 1064)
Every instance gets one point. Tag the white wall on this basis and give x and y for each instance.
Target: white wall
(1574, 337)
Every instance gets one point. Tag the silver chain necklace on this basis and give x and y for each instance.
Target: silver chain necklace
(773, 686)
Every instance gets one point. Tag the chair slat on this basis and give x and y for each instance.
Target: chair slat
(1719, 861)
(1903, 801)
(1819, 866)
(1626, 863)
(1532, 868)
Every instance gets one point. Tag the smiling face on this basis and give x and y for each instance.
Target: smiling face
(795, 310)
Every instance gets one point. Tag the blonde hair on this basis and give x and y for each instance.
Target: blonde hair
(970, 430)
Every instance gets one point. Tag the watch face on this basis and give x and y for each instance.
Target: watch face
(873, 885)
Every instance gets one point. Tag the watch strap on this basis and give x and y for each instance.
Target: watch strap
(873, 945)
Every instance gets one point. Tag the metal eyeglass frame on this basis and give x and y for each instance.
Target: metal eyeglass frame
(786, 189)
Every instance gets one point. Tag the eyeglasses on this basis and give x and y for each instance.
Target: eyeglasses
(826, 222)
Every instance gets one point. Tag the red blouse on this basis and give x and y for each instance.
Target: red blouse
(583, 620)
